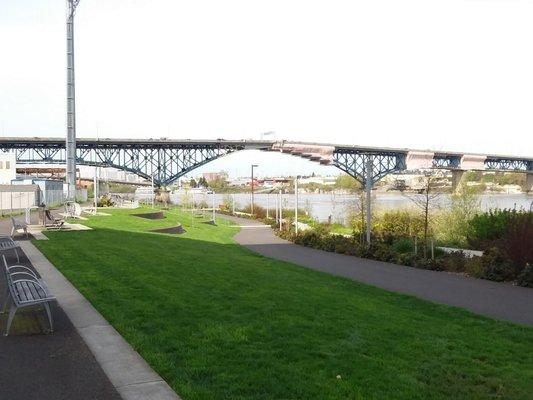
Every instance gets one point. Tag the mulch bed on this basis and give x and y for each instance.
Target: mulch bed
(152, 215)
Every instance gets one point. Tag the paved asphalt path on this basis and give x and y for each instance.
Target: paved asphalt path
(493, 299)
(39, 366)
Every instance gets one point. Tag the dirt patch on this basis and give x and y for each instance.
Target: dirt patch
(175, 230)
(152, 215)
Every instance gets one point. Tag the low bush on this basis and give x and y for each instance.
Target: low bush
(453, 262)
(407, 259)
(427, 263)
(399, 223)
(496, 266)
(526, 276)
(259, 212)
(105, 201)
(509, 230)
(403, 245)
(474, 267)
(382, 252)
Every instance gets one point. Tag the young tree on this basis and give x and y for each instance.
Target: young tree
(425, 200)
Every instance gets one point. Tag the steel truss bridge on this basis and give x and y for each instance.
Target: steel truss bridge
(167, 160)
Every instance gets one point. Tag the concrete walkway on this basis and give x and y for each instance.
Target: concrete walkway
(498, 300)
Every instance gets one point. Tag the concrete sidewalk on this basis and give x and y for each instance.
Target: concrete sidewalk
(493, 299)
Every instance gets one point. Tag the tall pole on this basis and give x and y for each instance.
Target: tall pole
(368, 190)
(153, 192)
(71, 104)
(276, 201)
(296, 204)
(213, 201)
(280, 212)
(252, 185)
(268, 205)
(95, 189)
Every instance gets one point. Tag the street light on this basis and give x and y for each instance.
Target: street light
(252, 184)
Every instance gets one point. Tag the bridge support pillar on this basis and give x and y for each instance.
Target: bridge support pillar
(457, 176)
(529, 182)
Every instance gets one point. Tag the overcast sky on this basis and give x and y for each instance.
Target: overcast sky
(447, 74)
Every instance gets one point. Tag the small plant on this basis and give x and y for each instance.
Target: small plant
(105, 201)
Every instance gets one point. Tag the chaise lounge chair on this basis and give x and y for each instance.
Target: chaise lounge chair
(56, 223)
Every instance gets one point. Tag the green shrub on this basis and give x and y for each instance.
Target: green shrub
(399, 223)
(474, 267)
(453, 262)
(496, 266)
(403, 245)
(493, 225)
(309, 238)
(493, 265)
(382, 252)
(427, 263)
(526, 276)
(408, 259)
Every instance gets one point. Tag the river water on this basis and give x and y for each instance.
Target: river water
(338, 206)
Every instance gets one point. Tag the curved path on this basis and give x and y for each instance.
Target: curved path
(492, 299)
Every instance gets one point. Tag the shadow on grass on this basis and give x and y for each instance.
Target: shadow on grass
(219, 321)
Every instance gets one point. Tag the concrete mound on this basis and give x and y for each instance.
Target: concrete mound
(175, 230)
(151, 215)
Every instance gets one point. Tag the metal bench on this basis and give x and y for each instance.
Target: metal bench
(7, 243)
(73, 210)
(25, 289)
(18, 226)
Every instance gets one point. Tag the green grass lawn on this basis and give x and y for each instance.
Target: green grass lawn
(217, 321)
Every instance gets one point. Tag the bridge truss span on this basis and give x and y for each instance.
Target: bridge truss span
(163, 160)
(166, 160)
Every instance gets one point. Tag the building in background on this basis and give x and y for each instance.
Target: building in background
(8, 168)
(50, 191)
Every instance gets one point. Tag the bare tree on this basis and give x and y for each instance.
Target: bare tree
(425, 200)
